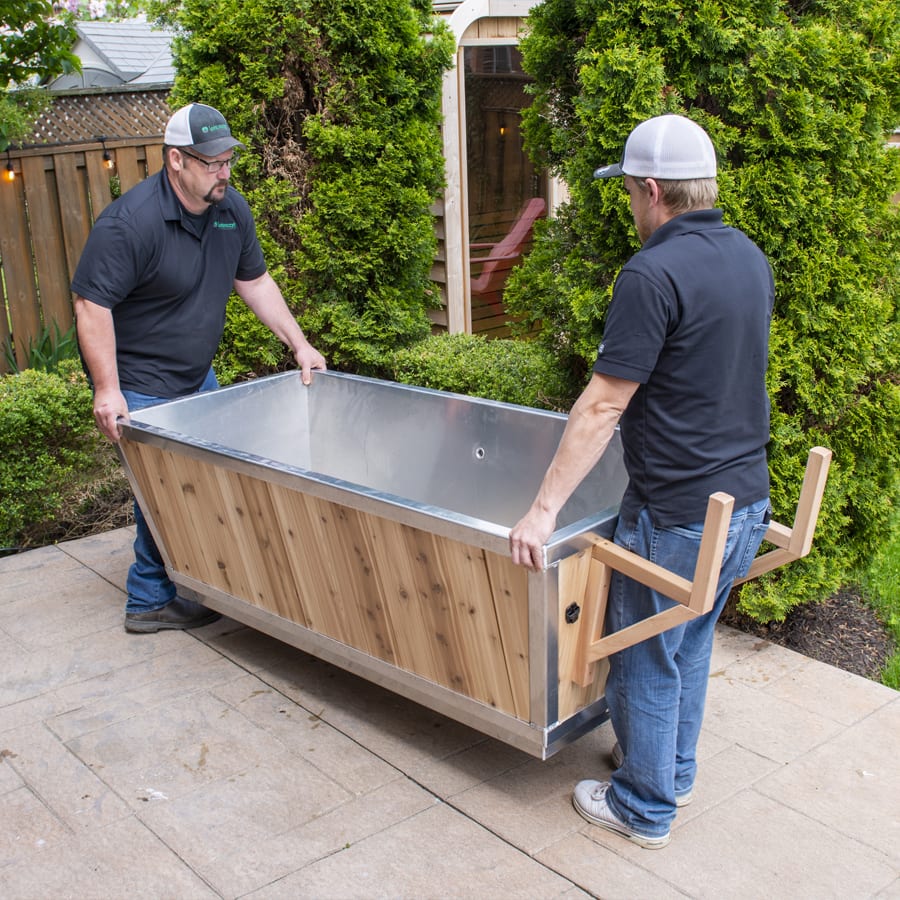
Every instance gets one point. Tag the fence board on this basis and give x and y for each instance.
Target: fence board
(4, 330)
(76, 211)
(49, 258)
(129, 170)
(154, 159)
(18, 269)
(98, 182)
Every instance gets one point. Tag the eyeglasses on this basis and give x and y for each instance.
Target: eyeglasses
(216, 165)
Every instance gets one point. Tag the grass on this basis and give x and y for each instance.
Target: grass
(881, 589)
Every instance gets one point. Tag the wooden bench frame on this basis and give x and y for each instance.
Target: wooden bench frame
(695, 597)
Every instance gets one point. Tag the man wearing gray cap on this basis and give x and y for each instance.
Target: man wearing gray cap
(151, 289)
(682, 363)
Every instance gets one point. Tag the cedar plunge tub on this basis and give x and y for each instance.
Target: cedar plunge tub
(366, 523)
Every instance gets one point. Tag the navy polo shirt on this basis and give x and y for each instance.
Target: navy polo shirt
(166, 275)
(689, 321)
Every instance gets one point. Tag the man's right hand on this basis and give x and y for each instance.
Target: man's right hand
(109, 406)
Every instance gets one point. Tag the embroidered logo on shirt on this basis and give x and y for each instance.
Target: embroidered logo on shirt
(600, 350)
(228, 226)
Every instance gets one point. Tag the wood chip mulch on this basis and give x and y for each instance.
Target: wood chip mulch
(842, 631)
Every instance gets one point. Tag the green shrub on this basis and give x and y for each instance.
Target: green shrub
(48, 446)
(339, 106)
(511, 371)
(799, 99)
(45, 353)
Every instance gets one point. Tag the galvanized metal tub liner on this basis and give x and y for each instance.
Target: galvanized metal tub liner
(366, 522)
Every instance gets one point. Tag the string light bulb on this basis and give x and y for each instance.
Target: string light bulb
(9, 173)
(108, 161)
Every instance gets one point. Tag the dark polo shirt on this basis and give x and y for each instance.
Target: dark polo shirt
(167, 275)
(689, 320)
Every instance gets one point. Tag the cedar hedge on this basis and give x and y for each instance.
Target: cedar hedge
(800, 99)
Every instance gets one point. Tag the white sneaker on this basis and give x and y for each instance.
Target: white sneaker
(617, 758)
(589, 800)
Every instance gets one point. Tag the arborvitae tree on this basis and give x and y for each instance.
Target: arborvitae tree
(800, 99)
(339, 106)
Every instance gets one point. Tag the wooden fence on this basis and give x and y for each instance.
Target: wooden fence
(46, 212)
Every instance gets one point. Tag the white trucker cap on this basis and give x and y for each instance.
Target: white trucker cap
(667, 147)
(201, 127)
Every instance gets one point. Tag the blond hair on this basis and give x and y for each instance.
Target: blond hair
(689, 194)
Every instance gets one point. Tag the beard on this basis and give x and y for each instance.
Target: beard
(216, 193)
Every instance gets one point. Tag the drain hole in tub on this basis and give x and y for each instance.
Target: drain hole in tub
(479, 453)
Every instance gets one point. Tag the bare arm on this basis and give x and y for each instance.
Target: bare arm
(97, 339)
(591, 424)
(264, 297)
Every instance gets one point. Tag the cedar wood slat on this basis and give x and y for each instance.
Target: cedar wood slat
(426, 604)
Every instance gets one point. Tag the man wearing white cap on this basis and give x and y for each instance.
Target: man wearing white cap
(151, 289)
(682, 364)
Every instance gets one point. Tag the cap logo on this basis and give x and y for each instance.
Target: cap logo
(207, 128)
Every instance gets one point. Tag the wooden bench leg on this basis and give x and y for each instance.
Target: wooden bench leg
(696, 597)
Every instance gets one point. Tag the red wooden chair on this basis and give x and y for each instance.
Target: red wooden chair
(504, 254)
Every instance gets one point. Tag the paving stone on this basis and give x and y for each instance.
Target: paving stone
(108, 553)
(754, 846)
(731, 645)
(454, 774)
(749, 717)
(222, 762)
(530, 806)
(831, 692)
(27, 712)
(851, 783)
(29, 827)
(121, 860)
(175, 748)
(438, 853)
(89, 656)
(252, 846)
(82, 605)
(20, 569)
(344, 761)
(67, 786)
(602, 872)
(767, 663)
(183, 666)
(9, 778)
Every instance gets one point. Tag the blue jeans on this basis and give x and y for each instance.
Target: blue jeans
(656, 689)
(148, 585)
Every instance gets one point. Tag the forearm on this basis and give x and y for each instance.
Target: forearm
(586, 436)
(97, 340)
(588, 431)
(267, 303)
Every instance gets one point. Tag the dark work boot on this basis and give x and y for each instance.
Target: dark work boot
(180, 613)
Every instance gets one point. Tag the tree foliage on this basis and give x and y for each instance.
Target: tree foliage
(33, 45)
(799, 99)
(339, 104)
